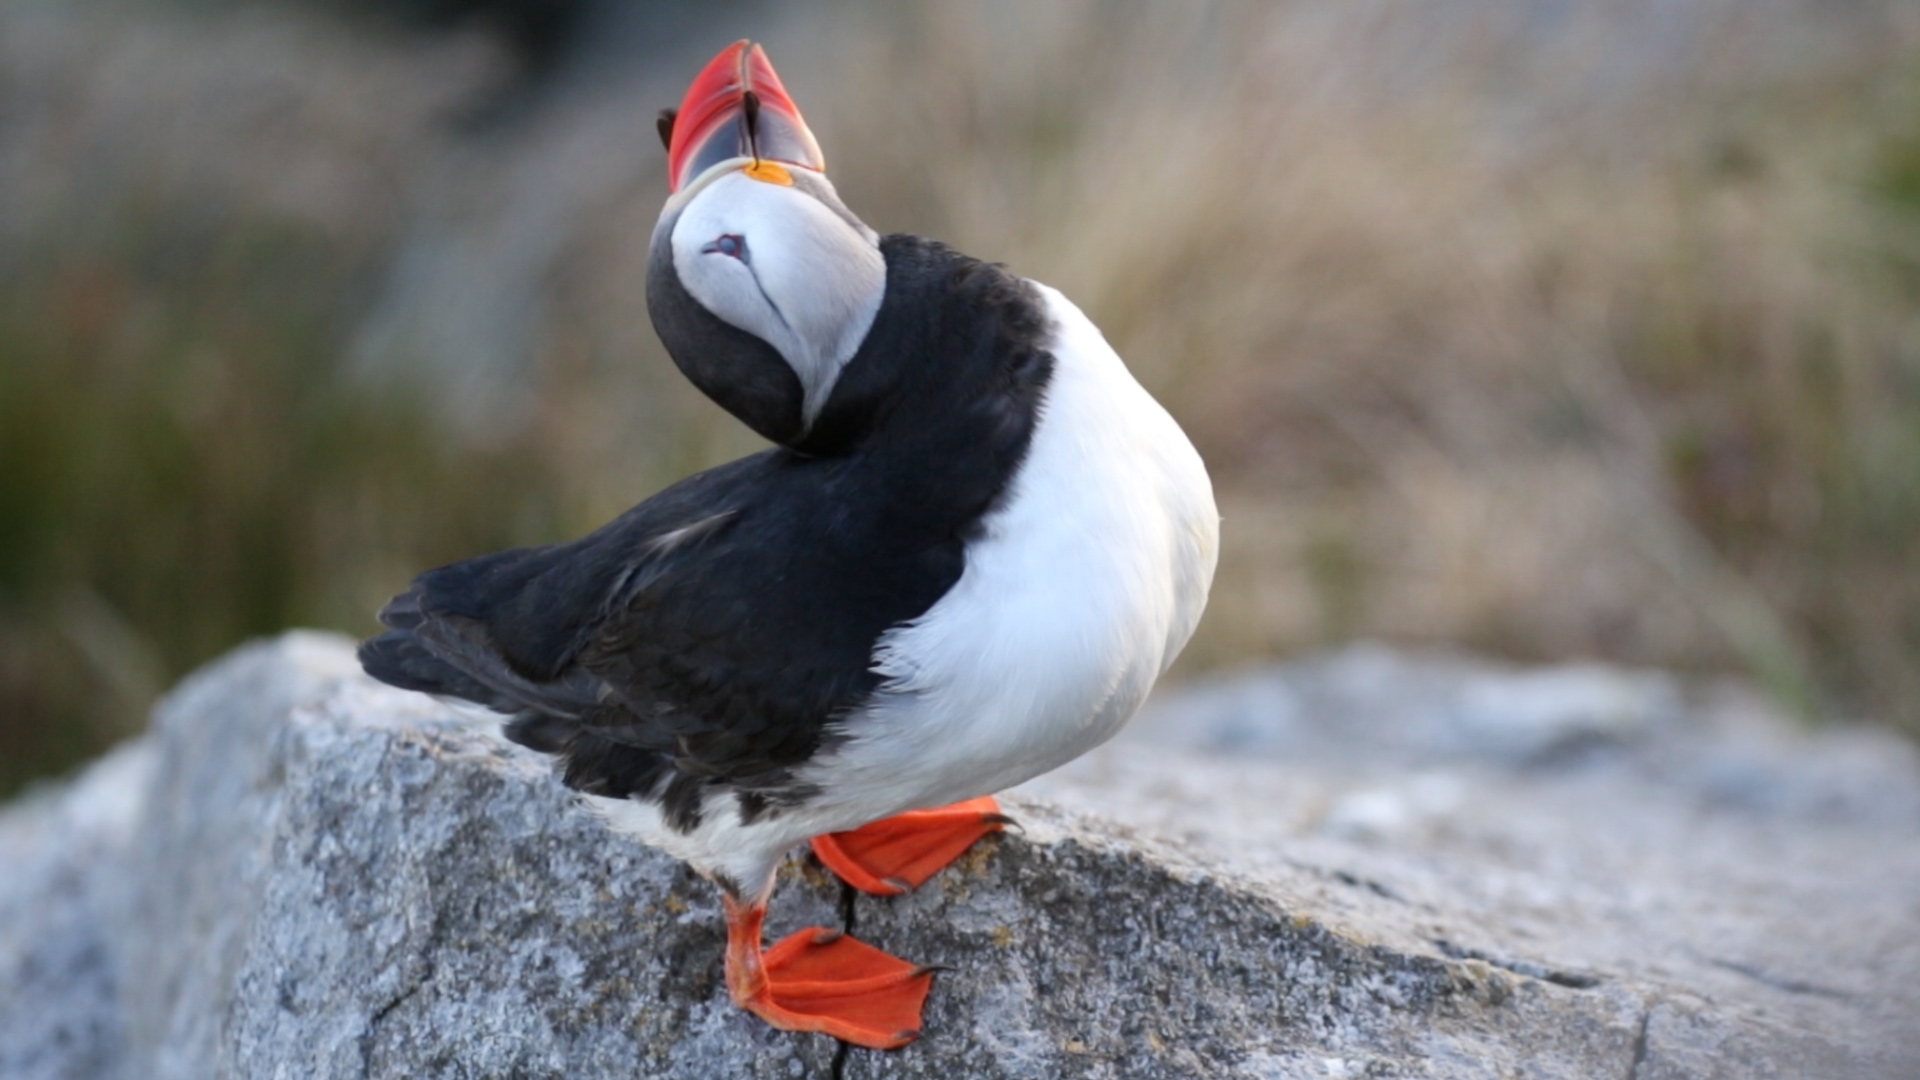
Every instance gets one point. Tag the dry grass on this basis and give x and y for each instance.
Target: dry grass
(1474, 357)
(1556, 342)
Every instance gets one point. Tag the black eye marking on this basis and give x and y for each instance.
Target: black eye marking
(729, 245)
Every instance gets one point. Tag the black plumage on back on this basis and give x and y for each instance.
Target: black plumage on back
(714, 634)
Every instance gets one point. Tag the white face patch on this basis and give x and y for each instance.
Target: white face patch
(781, 265)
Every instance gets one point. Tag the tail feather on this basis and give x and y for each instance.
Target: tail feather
(590, 763)
(398, 659)
(597, 766)
(539, 731)
(481, 630)
(403, 612)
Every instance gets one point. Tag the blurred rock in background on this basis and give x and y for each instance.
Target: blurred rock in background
(1558, 329)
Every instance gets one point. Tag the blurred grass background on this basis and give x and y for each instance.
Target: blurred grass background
(1552, 328)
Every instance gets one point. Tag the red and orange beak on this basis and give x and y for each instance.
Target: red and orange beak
(736, 108)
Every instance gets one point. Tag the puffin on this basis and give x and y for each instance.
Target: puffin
(973, 546)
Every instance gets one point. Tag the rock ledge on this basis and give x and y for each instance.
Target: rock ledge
(300, 873)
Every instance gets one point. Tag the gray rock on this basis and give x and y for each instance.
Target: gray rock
(300, 873)
(60, 977)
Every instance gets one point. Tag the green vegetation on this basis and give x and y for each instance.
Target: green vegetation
(184, 464)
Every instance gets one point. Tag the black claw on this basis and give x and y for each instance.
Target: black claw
(929, 969)
(1001, 819)
(664, 125)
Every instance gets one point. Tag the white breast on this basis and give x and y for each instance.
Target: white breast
(1088, 581)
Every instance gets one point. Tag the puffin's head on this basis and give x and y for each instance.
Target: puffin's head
(762, 283)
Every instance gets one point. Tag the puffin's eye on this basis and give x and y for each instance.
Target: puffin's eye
(729, 245)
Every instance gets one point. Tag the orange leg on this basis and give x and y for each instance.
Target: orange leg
(900, 853)
(823, 980)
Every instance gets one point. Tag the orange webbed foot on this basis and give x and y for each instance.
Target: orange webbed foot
(899, 853)
(822, 980)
